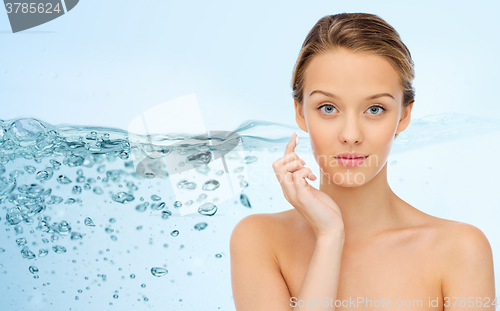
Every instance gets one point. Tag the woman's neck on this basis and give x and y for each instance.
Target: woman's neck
(368, 209)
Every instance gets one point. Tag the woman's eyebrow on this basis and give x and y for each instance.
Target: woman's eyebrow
(335, 96)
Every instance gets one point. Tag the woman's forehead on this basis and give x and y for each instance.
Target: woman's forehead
(347, 72)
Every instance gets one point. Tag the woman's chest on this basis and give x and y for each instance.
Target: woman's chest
(379, 275)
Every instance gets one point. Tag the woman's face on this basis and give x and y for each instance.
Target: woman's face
(341, 116)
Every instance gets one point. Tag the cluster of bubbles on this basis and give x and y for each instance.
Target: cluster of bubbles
(73, 148)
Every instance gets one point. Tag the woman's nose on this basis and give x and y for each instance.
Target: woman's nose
(351, 131)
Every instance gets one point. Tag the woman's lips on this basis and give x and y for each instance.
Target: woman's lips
(351, 162)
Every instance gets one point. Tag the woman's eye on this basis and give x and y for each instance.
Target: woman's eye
(375, 109)
(328, 109)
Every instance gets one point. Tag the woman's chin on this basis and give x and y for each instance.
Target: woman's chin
(345, 177)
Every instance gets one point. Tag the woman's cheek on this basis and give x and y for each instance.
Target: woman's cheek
(322, 157)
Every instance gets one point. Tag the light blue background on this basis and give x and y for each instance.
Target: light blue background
(115, 59)
(105, 62)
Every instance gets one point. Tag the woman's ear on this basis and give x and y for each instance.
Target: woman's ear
(405, 118)
(299, 116)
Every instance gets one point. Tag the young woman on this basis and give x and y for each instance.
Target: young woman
(354, 244)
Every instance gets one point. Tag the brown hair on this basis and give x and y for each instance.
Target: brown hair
(358, 32)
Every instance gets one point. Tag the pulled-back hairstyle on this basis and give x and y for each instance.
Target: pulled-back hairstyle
(358, 32)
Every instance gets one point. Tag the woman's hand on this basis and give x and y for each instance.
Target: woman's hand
(318, 209)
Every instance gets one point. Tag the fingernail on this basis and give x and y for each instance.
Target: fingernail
(297, 140)
(303, 162)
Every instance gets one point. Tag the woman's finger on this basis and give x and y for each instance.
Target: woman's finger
(287, 158)
(293, 166)
(294, 141)
(303, 173)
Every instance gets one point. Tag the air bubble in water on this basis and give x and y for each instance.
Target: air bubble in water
(30, 169)
(184, 184)
(76, 236)
(200, 226)
(244, 200)
(47, 192)
(156, 271)
(207, 209)
(238, 169)
(54, 199)
(249, 159)
(63, 180)
(14, 216)
(18, 229)
(243, 183)
(42, 175)
(89, 222)
(132, 186)
(21, 241)
(154, 197)
(33, 269)
(158, 206)
(26, 253)
(74, 160)
(64, 228)
(204, 169)
(177, 204)
(165, 214)
(102, 168)
(58, 249)
(201, 158)
(55, 164)
(76, 189)
(142, 207)
(211, 185)
(25, 131)
(42, 252)
(122, 197)
(174, 233)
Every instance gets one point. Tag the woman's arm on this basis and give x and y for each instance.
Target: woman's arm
(321, 281)
(468, 281)
(256, 279)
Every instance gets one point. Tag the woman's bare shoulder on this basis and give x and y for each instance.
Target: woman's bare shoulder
(267, 224)
(453, 239)
(262, 233)
(448, 230)
(452, 234)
